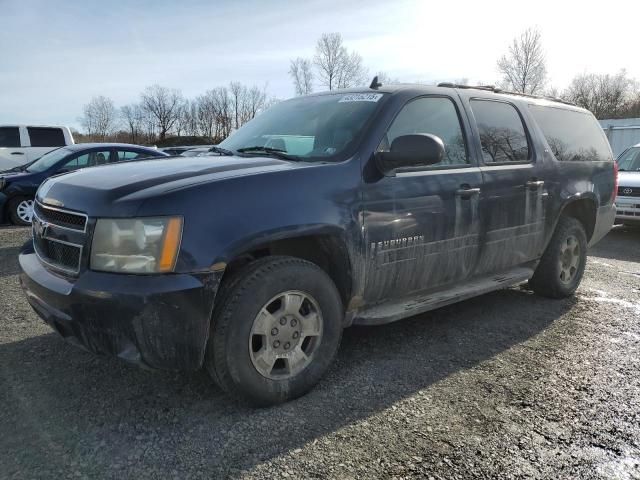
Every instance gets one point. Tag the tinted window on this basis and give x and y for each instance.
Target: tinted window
(629, 161)
(572, 135)
(434, 115)
(90, 159)
(502, 133)
(46, 137)
(9, 137)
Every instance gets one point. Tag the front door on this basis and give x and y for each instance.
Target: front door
(421, 225)
(514, 197)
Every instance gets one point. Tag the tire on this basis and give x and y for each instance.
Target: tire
(17, 210)
(262, 289)
(555, 277)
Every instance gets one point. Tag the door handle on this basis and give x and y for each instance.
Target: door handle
(17, 153)
(466, 192)
(534, 184)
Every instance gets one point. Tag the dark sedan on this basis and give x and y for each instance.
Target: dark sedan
(18, 186)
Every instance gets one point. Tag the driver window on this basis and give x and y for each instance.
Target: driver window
(434, 115)
(90, 159)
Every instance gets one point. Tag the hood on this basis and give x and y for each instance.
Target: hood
(118, 189)
(629, 179)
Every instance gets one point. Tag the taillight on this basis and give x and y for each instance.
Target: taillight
(615, 182)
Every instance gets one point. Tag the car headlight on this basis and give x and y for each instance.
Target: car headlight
(3, 182)
(136, 245)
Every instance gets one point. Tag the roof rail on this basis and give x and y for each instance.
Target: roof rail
(494, 89)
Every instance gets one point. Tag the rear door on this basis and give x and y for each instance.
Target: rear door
(514, 197)
(43, 140)
(421, 225)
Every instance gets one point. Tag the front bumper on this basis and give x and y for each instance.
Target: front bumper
(628, 210)
(159, 321)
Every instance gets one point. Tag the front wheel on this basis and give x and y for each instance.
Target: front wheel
(276, 329)
(562, 265)
(21, 210)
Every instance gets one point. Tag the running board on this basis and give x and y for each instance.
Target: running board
(409, 306)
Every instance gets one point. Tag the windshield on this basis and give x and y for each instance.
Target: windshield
(320, 127)
(48, 160)
(629, 161)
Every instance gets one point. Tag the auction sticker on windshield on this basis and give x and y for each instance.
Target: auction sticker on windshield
(361, 97)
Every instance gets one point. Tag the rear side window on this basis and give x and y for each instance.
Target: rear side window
(9, 137)
(502, 132)
(572, 135)
(46, 137)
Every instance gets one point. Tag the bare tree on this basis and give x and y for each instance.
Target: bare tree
(133, 117)
(164, 106)
(99, 117)
(238, 93)
(337, 67)
(606, 96)
(524, 68)
(302, 75)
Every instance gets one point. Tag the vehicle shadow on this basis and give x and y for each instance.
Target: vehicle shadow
(62, 407)
(621, 243)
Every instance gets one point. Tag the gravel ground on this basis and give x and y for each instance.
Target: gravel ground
(507, 385)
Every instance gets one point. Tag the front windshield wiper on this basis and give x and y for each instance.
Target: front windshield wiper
(19, 168)
(276, 152)
(221, 151)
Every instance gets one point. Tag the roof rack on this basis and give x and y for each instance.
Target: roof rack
(494, 89)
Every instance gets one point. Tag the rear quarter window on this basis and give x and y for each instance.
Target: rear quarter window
(9, 137)
(46, 137)
(572, 135)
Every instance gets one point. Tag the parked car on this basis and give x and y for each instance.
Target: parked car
(377, 204)
(180, 150)
(194, 152)
(628, 201)
(18, 185)
(20, 144)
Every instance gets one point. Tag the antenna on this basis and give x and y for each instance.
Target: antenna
(375, 83)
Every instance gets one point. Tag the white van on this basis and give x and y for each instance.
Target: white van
(20, 144)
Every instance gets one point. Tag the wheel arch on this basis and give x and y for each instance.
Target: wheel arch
(325, 247)
(583, 208)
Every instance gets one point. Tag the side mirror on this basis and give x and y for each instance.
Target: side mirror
(416, 150)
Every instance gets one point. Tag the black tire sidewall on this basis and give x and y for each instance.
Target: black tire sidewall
(569, 227)
(249, 296)
(13, 211)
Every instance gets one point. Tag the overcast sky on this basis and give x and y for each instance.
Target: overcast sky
(56, 55)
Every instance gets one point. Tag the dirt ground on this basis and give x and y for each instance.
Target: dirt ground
(508, 385)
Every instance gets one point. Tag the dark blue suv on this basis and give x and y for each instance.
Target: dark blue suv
(18, 186)
(347, 207)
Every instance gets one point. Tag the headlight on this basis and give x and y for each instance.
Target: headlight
(3, 182)
(136, 245)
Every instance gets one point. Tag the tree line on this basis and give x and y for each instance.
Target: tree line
(523, 69)
(163, 112)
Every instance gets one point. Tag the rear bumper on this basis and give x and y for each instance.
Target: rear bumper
(155, 321)
(604, 221)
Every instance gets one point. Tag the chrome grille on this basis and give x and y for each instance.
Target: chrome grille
(59, 237)
(62, 218)
(629, 191)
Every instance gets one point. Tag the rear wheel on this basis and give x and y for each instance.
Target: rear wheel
(562, 265)
(275, 331)
(21, 210)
